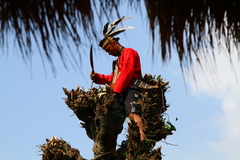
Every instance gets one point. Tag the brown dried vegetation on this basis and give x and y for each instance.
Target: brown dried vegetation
(58, 149)
(183, 24)
(93, 108)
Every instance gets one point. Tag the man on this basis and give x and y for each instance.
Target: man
(126, 67)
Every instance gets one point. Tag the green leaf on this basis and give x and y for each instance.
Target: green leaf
(172, 126)
(100, 90)
(159, 76)
(68, 157)
(80, 99)
(95, 99)
(126, 153)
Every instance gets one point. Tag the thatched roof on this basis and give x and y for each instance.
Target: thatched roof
(182, 24)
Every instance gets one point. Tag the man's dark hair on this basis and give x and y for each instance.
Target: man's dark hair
(103, 40)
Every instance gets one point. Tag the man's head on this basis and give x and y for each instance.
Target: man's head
(110, 43)
(111, 46)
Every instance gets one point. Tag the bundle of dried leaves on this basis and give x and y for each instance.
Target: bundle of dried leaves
(94, 108)
(58, 149)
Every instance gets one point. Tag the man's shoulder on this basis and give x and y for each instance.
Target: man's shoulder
(127, 50)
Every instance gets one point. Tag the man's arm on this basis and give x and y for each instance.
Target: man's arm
(101, 78)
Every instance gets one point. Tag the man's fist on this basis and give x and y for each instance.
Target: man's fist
(93, 76)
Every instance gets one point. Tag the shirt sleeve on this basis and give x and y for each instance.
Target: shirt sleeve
(103, 79)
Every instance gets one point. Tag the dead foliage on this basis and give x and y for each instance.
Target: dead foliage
(184, 25)
(93, 108)
(58, 149)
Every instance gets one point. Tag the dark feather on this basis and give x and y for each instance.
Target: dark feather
(116, 33)
(120, 30)
(105, 29)
(110, 29)
(113, 25)
(119, 20)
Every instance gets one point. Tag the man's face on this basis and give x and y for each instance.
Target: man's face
(111, 47)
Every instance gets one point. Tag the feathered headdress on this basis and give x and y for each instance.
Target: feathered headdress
(108, 30)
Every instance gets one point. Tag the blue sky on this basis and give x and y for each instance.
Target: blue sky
(32, 108)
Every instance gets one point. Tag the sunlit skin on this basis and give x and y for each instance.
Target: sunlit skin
(112, 47)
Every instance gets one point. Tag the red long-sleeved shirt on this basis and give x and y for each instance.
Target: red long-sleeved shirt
(129, 67)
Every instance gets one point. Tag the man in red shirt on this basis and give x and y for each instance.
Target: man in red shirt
(127, 67)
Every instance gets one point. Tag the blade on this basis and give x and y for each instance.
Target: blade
(91, 59)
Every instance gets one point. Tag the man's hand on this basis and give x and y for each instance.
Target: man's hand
(93, 77)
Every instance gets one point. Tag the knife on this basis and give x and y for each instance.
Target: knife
(91, 59)
(91, 63)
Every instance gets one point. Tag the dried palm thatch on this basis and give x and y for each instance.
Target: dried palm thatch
(94, 108)
(183, 24)
(192, 25)
(58, 149)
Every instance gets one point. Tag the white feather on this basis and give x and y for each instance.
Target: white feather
(120, 30)
(110, 30)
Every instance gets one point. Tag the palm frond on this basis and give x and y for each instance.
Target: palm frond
(183, 24)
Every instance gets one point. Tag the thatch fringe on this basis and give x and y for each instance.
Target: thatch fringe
(183, 24)
(191, 25)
